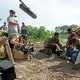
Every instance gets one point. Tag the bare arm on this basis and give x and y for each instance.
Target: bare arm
(12, 21)
(13, 41)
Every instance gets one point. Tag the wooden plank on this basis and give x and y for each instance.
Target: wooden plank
(9, 53)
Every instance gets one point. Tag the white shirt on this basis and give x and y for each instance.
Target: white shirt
(12, 19)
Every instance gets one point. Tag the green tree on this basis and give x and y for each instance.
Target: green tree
(52, 32)
(30, 30)
(47, 34)
(73, 26)
(57, 29)
(36, 33)
(64, 28)
(41, 32)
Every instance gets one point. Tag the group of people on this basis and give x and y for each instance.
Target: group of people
(13, 25)
(71, 50)
(16, 39)
(52, 44)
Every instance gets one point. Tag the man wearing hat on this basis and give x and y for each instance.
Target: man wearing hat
(12, 22)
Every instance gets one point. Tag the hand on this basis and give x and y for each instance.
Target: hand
(21, 44)
(5, 41)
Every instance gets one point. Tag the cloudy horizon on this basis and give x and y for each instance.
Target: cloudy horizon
(50, 13)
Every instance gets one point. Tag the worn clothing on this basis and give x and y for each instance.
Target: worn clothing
(10, 38)
(69, 42)
(73, 53)
(12, 29)
(53, 41)
(24, 30)
(70, 37)
(54, 45)
(4, 28)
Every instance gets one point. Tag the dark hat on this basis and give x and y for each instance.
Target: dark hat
(12, 11)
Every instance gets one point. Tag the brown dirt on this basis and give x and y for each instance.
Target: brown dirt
(43, 67)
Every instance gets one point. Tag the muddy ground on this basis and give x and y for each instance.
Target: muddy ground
(44, 67)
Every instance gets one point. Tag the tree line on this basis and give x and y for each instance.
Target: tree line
(41, 33)
(38, 33)
(63, 29)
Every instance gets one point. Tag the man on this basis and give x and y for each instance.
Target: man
(17, 43)
(3, 40)
(24, 30)
(74, 50)
(12, 23)
(4, 27)
(54, 44)
(71, 36)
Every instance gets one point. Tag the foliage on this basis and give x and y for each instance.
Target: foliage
(63, 29)
(41, 33)
(38, 33)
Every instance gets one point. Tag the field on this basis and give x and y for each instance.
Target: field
(44, 67)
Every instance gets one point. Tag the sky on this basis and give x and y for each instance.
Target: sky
(50, 13)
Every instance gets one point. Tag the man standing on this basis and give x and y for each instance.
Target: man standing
(24, 29)
(4, 27)
(12, 23)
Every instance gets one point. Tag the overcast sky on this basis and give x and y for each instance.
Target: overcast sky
(50, 13)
